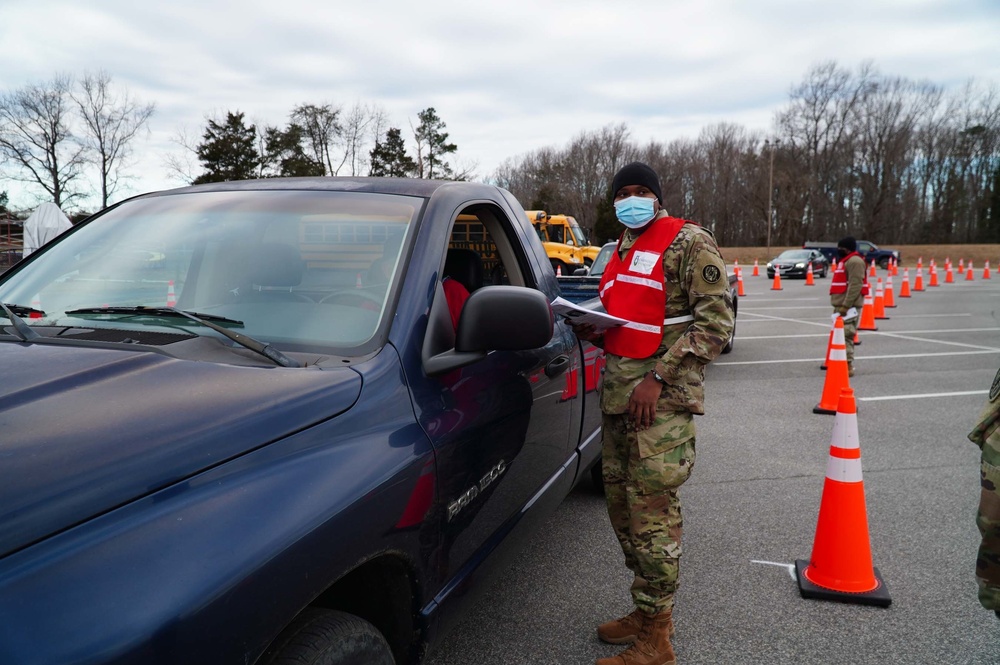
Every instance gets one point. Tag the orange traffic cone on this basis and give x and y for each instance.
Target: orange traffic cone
(986, 271)
(890, 299)
(934, 279)
(756, 269)
(736, 265)
(776, 286)
(918, 283)
(920, 262)
(171, 296)
(868, 314)
(840, 567)
(968, 273)
(357, 281)
(872, 271)
(880, 301)
(857, 340)
(904, 289)
(949, 276)
(836, 371)
(809, 275)
(558, 271)
(895, 268)
(961, 265)
(36, 304)
(739, 284)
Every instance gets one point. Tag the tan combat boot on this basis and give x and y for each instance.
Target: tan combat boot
(625, 629)
(652, 645)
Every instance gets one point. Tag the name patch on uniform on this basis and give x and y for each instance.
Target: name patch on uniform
(711, 274)
(995, 388)
(643, 262)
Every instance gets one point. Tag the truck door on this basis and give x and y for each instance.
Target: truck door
(501, 426)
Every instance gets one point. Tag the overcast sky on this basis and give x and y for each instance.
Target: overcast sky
(506, 77)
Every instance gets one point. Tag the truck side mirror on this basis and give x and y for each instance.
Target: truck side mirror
(494, 318)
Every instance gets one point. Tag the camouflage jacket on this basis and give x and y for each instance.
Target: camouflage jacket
(855, 273)
(696, 283)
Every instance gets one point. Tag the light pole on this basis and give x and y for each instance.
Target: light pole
(770, 190)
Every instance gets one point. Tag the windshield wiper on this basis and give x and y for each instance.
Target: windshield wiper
(154, 311)
(246, 341)
(21, 329)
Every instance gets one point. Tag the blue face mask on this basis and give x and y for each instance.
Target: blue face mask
(635, 211)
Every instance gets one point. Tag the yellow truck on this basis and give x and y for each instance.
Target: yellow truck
(565, 242)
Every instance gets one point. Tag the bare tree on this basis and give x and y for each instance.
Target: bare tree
(323, 130)
(362, 126)
(183, 166)
(36, 139)
(111, 119)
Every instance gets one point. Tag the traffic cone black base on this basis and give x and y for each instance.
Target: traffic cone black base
(879, 596)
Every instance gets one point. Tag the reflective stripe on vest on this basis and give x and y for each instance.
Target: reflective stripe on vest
(633, 289)
(838, 282)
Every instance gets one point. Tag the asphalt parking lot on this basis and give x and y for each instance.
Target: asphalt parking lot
(751, 505)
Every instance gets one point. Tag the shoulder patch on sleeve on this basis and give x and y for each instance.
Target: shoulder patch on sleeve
(711, 274)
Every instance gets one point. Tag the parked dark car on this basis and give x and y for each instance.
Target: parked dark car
(866, 249)
(795, 263)
(271, 444)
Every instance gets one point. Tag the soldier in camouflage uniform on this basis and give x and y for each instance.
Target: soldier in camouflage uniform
(649, 435)
(986, 435)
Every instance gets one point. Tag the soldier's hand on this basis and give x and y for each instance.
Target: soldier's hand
(586, 332)
(642, 402)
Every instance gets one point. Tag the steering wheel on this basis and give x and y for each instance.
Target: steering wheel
(363, 297)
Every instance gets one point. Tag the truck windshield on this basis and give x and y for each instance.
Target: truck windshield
(579, 237)
(302, 270)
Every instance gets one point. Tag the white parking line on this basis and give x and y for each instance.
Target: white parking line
(964, 392)
(885, 357)
(743, 338)
(938, 341)
(771, 309)
(787, 566)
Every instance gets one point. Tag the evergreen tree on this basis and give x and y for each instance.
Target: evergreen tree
(228, 151)
(607, 227)
(432, 146)
(285, 156)
(389, 158)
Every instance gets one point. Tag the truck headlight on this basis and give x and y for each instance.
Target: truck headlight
(800, 265)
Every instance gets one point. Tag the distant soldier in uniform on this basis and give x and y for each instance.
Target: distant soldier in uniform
(986, 435)
(848, 289)
(669, 281)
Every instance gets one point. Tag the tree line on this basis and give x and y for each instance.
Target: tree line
(318, 140)
(881, 157)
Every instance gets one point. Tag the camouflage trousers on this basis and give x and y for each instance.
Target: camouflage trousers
(642, 473)
(988, 521)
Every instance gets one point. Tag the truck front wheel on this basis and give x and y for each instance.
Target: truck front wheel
(329, 637)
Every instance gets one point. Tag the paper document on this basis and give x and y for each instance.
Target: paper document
(851, 314)
(578, 315)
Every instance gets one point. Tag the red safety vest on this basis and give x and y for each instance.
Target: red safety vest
(838, 283)
(633, 289)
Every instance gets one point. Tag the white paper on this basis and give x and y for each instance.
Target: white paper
(578, 315)
(852, 313)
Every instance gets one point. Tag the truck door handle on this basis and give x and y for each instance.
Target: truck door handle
(557, 366)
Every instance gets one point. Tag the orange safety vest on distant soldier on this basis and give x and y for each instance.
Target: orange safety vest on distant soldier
(838, 283)
(632, 289)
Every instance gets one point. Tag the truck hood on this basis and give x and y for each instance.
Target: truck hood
(85, 430)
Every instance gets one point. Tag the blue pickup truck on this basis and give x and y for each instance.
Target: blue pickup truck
(249, 422)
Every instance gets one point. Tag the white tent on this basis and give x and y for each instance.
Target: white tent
(45, 223)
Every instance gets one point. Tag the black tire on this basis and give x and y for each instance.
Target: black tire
(588, 262)
(883, 262)
(728, 348)
(329, 637)
(597, 476)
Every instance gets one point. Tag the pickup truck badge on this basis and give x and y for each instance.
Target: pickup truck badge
(469, 495)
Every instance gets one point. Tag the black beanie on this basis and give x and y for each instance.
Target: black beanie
(848, 243)
(637, 173)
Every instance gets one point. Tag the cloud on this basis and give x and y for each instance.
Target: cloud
(507, 78)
